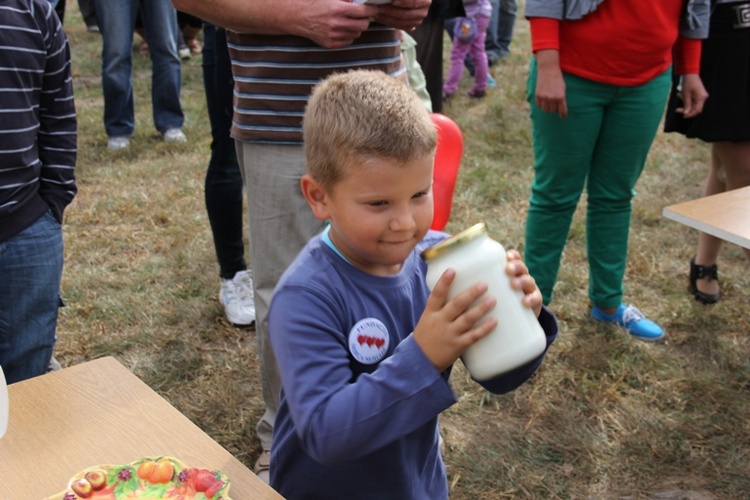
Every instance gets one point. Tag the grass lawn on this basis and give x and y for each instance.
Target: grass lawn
(605, 417)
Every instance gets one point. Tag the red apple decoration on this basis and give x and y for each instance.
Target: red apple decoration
(204, 479)
(214, 488)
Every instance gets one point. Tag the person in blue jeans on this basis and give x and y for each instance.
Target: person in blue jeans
(224, 186)
(38, 157)
(88, 12)
(500, 29)
(116, 22)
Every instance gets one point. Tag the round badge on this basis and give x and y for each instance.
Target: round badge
(368, 341)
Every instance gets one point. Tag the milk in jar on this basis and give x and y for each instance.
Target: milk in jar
(518, 337)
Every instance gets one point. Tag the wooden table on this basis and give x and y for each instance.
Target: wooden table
(100, 413)
(725, 215)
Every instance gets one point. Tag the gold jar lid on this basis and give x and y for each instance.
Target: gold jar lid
(452, 242)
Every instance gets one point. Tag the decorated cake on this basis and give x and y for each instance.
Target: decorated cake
(151, 477)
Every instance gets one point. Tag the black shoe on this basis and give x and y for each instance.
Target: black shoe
(697, 272)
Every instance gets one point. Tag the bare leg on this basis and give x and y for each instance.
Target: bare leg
(730, 169)
(735, 158)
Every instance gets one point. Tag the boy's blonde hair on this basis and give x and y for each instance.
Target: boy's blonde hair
(363, 114)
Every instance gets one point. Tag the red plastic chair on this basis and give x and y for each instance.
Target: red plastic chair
(447, 160)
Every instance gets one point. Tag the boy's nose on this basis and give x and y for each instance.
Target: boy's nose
(403, 220)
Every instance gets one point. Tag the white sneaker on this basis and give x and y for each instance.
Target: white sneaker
(174, 135)
(118, 142)
(236, 295)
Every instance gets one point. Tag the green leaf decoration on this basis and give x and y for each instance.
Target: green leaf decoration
(156, 490)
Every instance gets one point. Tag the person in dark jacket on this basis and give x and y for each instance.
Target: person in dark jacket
(37, 161)
(429, 37)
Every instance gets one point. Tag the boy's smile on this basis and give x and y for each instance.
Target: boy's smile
(379, 210)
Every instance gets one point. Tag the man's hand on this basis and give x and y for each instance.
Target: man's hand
(448, 327)
(403, 14)
(332, 23)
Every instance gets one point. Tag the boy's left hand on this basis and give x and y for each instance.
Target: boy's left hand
(522, 280)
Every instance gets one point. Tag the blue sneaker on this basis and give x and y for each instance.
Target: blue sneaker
(491, 81)
(632, 320)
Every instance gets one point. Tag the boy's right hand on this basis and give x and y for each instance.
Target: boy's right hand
(448, 327)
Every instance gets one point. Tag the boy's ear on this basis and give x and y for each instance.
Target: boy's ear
(316, 197)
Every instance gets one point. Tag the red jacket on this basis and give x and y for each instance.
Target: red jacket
(624, 43)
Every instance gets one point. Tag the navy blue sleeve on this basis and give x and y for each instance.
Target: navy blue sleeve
(511, 380)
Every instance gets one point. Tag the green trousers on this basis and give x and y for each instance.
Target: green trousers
(602, 145)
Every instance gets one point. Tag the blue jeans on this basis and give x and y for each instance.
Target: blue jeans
(500, 30)
(30, 271)
(224, 186)
(116, 21)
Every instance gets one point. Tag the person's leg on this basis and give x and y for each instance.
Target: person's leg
(223, 184)
(459, 50)
(491, 44)
(223, 187)
(88, 12)
(31, 268)
(429, 37)
(450, 25)
(116, 21)
(730, 169)
(191, 27)
(479, 56)
(280, 223)
(160, 23)
(628, 130)
(709, 246)
(735, 159)
(563, 149)
(141, 31)
(505, 24)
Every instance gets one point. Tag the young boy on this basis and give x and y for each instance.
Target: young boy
(364, 349)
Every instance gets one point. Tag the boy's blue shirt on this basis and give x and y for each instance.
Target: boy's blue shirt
(360, 401)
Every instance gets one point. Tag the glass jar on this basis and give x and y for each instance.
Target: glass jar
(518, 337)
